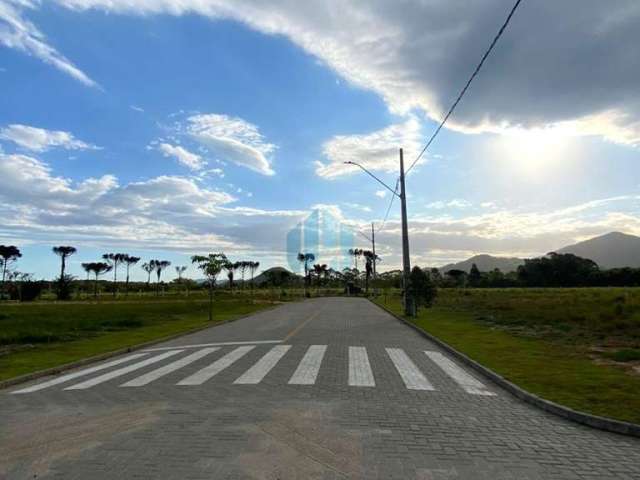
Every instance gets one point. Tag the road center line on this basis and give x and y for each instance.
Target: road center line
(301, 326)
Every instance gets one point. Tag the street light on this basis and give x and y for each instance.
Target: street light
(406, 266)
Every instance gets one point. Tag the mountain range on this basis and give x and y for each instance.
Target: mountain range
(612, 250)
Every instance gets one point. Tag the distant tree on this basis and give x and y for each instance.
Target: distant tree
(98, 268)
(87, 269)
(128, 261)
(148, 267)
(306, 259)
(180, 270)
(253, 266)
(370, 259)
(320, 270)
(230, 267)
(421, 288)
(243, 266)
(63, 290)
(356, 253)
(474, 276)
(8, 254)
(159, 266)
(211, 265)
(558, 270)
(436, 276)
(458, 276)
(114, 259)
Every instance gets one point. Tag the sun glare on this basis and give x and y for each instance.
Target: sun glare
(534, 152)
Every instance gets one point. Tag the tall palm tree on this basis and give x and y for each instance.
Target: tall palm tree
(87, 269)
(230, 268)
(320, 271)
(8, 254)
(243, 268)
(306, 259)
(63, 252)
(370, 258)
(211, 265)
(114, 259)
(253, 266)
(148, 267)
(356, 253)
(128, 261)
(159, 266)
(98, 268)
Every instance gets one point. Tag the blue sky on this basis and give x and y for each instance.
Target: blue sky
(168, 128)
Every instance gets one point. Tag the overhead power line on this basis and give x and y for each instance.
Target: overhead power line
(389, 208)
(464, 90)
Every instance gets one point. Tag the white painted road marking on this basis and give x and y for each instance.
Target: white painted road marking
(167, 369)
(462, 378)
(309, 366)
(216, 367)
(122, 371)
(80, 373)
(218, 344)
(412, 377)
(256, 373)
(360, 374)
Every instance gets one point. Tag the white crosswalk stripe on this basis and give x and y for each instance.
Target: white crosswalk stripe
(256, 373)
(167, 369)
(122, 371)
(80, 373)
(462, 378)
(216, 367)
(412, 377)
(360, 374)
(309, 366)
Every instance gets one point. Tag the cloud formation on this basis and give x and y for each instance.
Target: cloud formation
(18, 33)
(40, 140)
(377, 151)
(232, 139)
(190, 160)
(558, 62)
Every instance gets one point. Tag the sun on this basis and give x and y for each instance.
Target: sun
(534, 152)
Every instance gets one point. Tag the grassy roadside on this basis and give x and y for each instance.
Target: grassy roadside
(37, 337)
(560, 371)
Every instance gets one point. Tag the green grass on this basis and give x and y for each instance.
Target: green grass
(39, 336)
(518, 343)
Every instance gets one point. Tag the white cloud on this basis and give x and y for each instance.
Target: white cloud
(18, 33)
(184, 156)
(455, 203)
(399, 53)
(40, 140)
(136, 108)
(233, 139)
(377, 151)
(381, 193)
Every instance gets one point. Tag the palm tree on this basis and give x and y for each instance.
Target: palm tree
(8, 253)
(211, 265)
(230, 268)
(63, 252)
(114, 259)
(180, 269)
(98, 268)
(159, 266)
(356, 252)
(306, 259)
(253, 266)
(320, 270)
(243, 268)
(128, 261)
(85, 267)
(370, 259)
(148, 267)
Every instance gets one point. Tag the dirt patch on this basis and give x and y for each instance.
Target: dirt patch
(32, 443)
(302, 442)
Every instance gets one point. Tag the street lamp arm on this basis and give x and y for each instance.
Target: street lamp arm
(374, 177)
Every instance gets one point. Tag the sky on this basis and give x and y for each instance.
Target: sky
(167, 128)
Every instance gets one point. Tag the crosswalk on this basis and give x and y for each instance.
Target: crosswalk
(358, 369)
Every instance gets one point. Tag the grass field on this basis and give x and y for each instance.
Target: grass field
(43, 335)
(561, 344)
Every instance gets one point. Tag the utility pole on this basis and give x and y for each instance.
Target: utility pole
(406, 267)
(373, 245)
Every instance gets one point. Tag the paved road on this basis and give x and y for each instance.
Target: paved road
(325, 389)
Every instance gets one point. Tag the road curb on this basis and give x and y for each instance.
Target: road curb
(594, 421)
(103, 356)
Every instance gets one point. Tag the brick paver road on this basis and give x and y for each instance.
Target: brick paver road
(328, 388)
